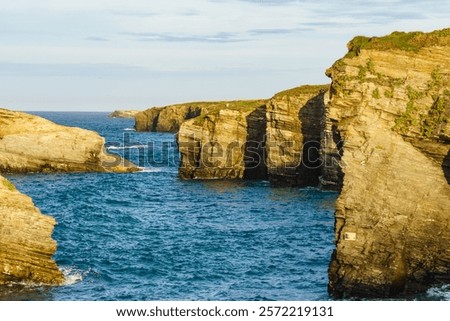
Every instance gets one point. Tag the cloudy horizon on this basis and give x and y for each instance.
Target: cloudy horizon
(103, 55)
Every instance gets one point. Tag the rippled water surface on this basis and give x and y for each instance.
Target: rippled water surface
(152, 236)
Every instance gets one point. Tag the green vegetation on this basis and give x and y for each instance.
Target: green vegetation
(213, 108)
(406, 41)
(8, 185)
(427, 121)
(438, 115)
(302, 90)
(389, 93)
(376, 93)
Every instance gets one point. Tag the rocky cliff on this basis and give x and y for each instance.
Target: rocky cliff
(166, 119)
(294, 130)
(277, 139)
(26, 245)
(124, 113)
(32, 144)
(380, 136)
(225, 142)
(390, 106)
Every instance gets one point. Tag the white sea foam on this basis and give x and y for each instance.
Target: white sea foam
(441, 292)
(129, 129)
(125, 147)
(72, 275)
(151, 169)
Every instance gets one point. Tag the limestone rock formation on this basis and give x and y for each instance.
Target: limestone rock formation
(26, 245)
(166, 119)
(224, 143)
(30, 143)
(390, 105)
(294, 131)
(124, 113)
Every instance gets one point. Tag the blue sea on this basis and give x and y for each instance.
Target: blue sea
(152, 236)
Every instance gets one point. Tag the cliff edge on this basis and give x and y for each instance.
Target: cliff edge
(124, 113)
(26, 245)
(30, 143)
(390, 107)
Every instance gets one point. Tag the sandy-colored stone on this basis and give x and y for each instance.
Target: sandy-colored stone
(294, 129)
(390, 107)
(30, 143)
(225, 144)
(26, 245)
(124, 113)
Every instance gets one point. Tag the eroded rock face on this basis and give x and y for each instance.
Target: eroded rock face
(390, 106)
(225, 143)
(26, 245)
(30, 143)
(295, 122)
(124, 113)
(166, 119)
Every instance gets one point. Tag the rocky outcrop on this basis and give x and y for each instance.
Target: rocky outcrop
(224, 143)
(122, 113)
(294, 131)
(277, 139)
(26, 245)
(32, 144)
(390, 105)
(166, 119)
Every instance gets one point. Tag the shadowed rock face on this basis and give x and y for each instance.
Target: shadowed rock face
(26, 245)
(295, 122)
(165, 119)
(390, 106)
(224, 144)
(279, 139)
(30, 143)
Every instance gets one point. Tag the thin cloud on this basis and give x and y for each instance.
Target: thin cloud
(220, 37)
(98, 39)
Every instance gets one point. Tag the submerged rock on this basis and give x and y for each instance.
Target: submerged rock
(30, 143)
(390, 104)
(26, 245)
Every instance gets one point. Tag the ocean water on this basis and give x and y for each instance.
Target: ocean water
(152, 236)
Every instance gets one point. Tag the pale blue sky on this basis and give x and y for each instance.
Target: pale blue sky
(111, 54)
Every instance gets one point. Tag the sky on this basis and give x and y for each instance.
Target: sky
(102, 55)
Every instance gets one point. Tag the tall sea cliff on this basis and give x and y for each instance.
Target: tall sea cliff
(380, 135)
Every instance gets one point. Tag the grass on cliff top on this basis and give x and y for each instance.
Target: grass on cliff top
(406, 41)
(302, 90)
(8, 185)
(213, 108)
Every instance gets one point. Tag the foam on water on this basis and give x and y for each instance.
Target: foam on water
(439, 293)
(125, 147)
(129, 129)
(71, 275)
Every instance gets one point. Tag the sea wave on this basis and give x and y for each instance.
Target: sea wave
(129, 129)
(72, 275)
(154, 169)
(440, 293)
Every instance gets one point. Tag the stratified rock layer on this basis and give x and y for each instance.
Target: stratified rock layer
(294, 131)
(30, 143)
(124, 113)
(224, 143)
(390, 106)
(166, 119)
(26, 245)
